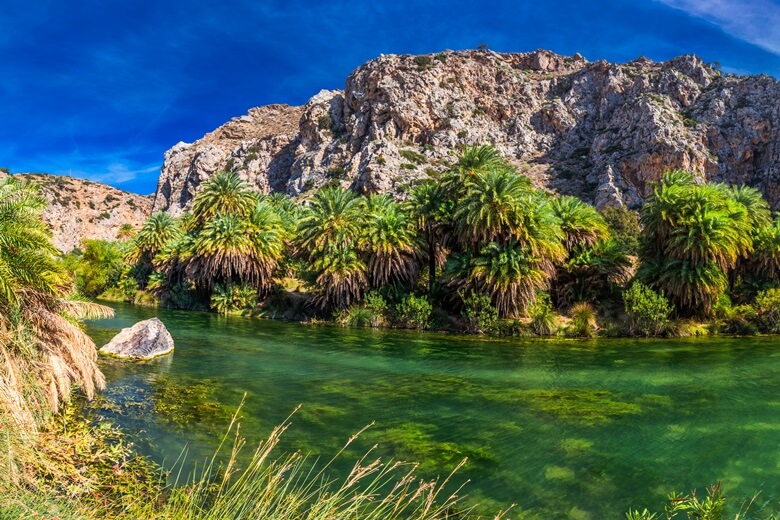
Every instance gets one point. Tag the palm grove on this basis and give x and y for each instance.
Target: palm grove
(479, 242)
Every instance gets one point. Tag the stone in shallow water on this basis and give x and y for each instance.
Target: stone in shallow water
(144, 340)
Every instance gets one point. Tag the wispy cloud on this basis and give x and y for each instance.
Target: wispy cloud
(754, 21)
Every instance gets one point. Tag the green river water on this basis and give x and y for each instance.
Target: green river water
(562, 428)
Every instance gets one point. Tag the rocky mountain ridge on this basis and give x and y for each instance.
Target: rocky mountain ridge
(80, 209)
(598, 130)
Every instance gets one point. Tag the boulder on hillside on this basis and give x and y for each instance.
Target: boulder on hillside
(145, 340)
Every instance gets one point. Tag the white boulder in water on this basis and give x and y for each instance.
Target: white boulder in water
(145, 340)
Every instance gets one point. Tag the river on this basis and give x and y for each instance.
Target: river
(562, 428)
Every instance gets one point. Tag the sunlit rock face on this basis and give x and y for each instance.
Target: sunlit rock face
(79, 209)
(598, 130)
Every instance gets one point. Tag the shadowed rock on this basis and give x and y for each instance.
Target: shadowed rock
(144, 340)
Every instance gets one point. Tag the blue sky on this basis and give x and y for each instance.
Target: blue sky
(101, 89)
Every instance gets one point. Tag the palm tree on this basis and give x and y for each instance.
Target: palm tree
(589, 272)
(223, 194)
(538, 228)
(230, 248)
(471, 160)
(761, 269)
(757, 207)
(334, 217)
(694, 234)
(478, 158)
(341, 276)
(329, 231)
(582, 225)
(490, 206)
(430, 209)
(510, 274)
(126, 231)
(44, 352)
(390, 242)
(156, 232)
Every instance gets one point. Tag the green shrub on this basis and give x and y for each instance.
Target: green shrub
(625, 227)
(230, 297)
(98, 268)
(325, 122)
(583, 321)
(648, 312)
(479, 313)
(423, 62)
(413, 157)
(711, 507)
(767, 309)
(356, 316)
(128, 287)
(733, 319)
(377, 306)
(543, 321)
(145, 299)
(414, 312)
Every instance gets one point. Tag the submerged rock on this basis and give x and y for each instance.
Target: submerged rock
(145, 340)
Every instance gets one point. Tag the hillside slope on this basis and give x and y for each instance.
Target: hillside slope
(80, 209)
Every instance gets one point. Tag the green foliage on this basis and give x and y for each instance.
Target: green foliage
(371, 313)
(583, 321)
(647, 311)
(581, 224)
(423, 62)
(693, 235)
(543, 321)
(125, 232)
(223, 194)
(390, 242)
(711, 507)
(414, 312)
(767, 309)
(99, 268)
(158, 230)
(377, 306)
(738, 319)
(479, 313)
(624, 227)
(231, 297)
(356, 316)
(591, 273)
(129, 287)
(325, 122)
(413, 157)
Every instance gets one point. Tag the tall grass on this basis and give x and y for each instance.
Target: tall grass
(264, 486)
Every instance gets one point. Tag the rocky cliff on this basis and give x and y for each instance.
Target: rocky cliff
(80, 209)
(598, 130)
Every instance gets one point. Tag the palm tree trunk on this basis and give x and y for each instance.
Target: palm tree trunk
(431, 262)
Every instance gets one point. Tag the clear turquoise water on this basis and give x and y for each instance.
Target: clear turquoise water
(563, 429)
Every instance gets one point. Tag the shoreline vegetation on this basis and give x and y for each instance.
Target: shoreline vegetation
(477, 250)
(497, 252)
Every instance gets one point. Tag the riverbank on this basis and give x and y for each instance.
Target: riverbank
(609, 321)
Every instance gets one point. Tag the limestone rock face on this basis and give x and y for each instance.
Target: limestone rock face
(80, 209)
(259, 145)
(601, 131)
(145, 340)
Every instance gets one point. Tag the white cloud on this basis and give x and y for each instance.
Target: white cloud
(119, 173)
(753, 21)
